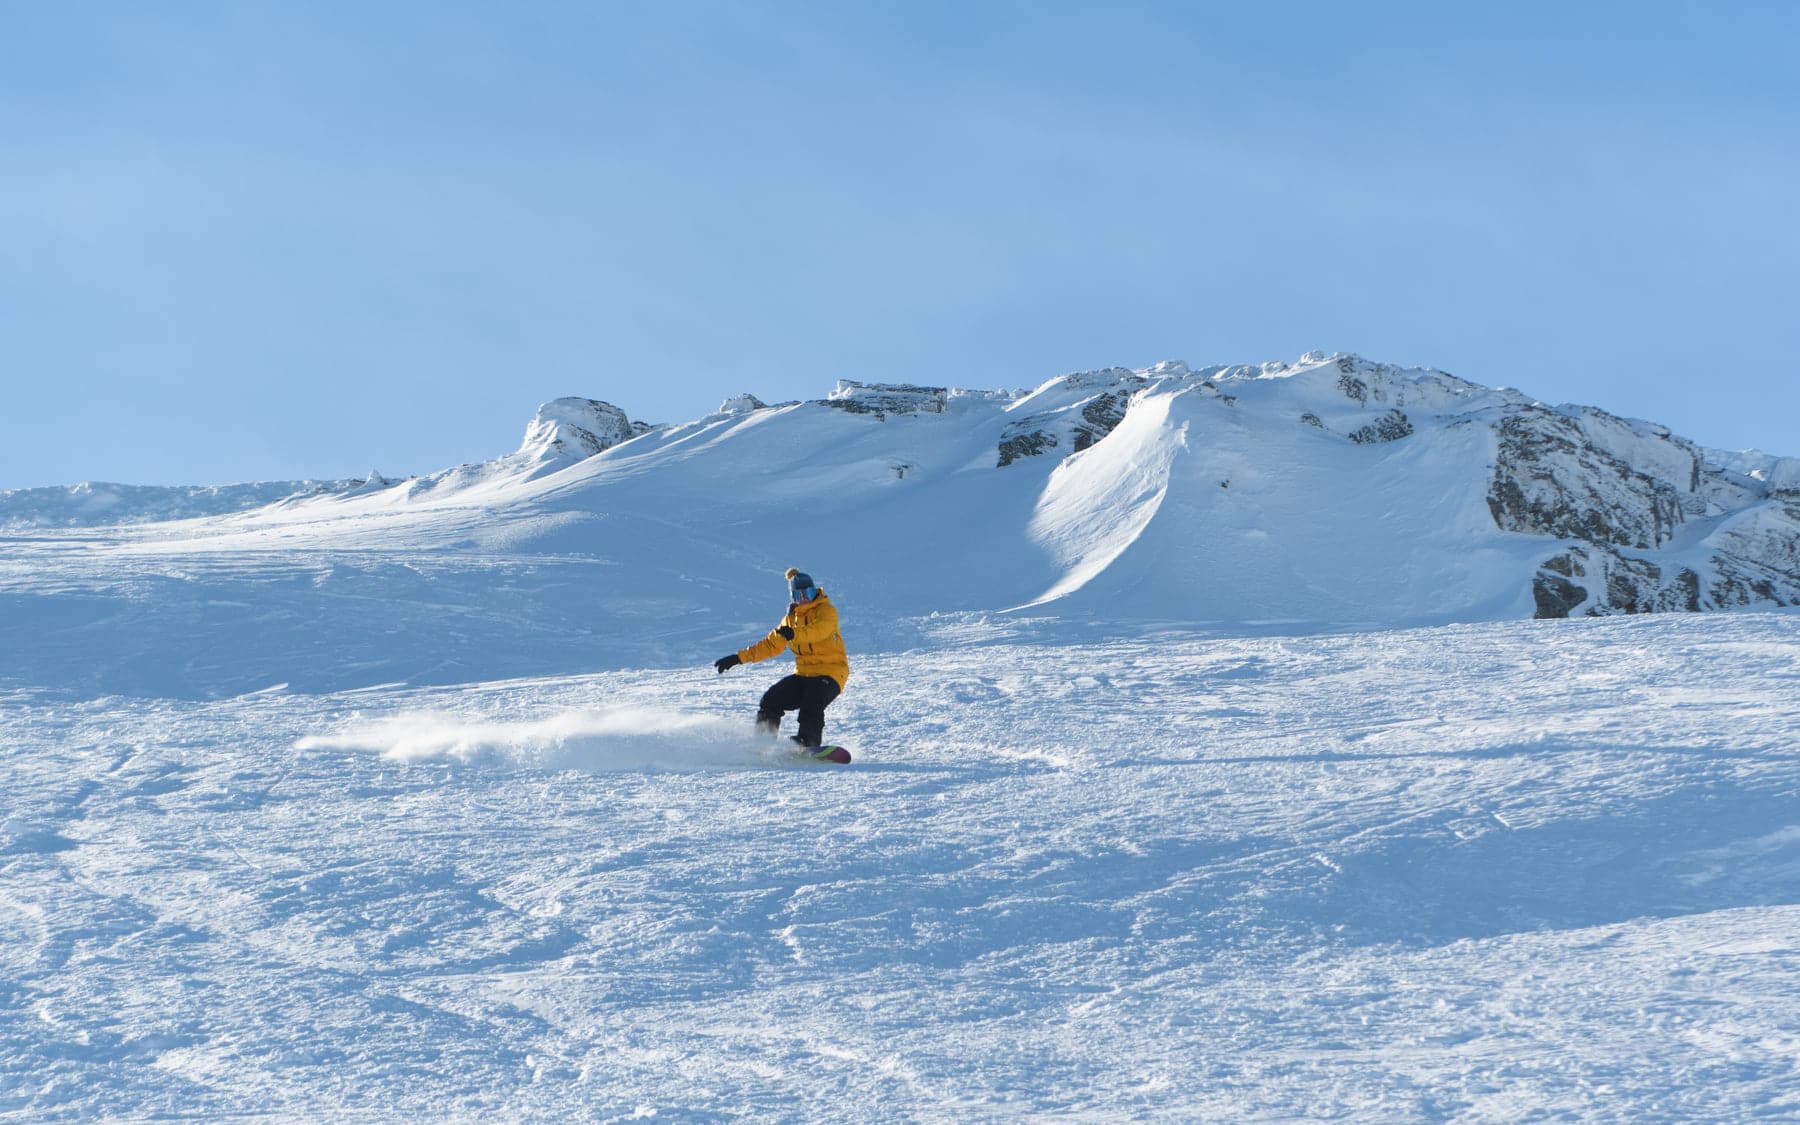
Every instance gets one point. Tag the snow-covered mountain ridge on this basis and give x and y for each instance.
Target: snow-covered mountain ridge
(1334, 492)
(562, 432)
(1616, 492)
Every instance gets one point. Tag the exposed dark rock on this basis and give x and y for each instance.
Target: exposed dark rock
(1626, 585)
(1689, 584)
(1640, 586)
(1549, 481)
(1744, 582)
(1565, 565)
(1556, 596)
(1100, 417)
(1027, 444)
(1634, 585)
(1391, 426)
(1312, 419)
(885, 399)
(1082, 424)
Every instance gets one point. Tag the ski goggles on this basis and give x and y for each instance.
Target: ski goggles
(800, 595)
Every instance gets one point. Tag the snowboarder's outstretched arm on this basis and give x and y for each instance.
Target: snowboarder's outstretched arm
(774, 644)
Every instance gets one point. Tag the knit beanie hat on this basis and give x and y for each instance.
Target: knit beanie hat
(800, 586)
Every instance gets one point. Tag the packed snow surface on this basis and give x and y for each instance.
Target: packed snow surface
(1487, 872)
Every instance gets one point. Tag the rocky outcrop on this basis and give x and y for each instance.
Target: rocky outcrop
(1756, 555)
(563, 432)
(1549, 480)
(1391, 426)
(1367, 403)
(572, 429)
(1099, 417)
(1595, 580)
(1555, 595)
(1076, 411)
(1783, 478)
(741, 404)
(885, 400)
(1026, 443)
(1618, 492)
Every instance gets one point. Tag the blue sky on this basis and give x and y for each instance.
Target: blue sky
(244, 241)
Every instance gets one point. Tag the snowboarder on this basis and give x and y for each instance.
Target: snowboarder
(821, 667)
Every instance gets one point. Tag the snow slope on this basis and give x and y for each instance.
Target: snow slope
(1484, 873)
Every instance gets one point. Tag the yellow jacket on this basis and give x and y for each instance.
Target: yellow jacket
(818, 649)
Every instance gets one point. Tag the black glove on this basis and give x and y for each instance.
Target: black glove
(726, 663)
(787, 632)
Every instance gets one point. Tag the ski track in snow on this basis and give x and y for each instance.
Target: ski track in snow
(1508, 871)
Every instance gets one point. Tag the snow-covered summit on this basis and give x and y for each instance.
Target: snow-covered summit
(566, 430)
(563, 432)
(741, 404)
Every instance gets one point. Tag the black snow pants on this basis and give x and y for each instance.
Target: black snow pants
(809, 695)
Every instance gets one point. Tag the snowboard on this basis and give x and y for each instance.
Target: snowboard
(835, 754)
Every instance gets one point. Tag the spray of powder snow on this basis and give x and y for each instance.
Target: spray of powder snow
(612, 739)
